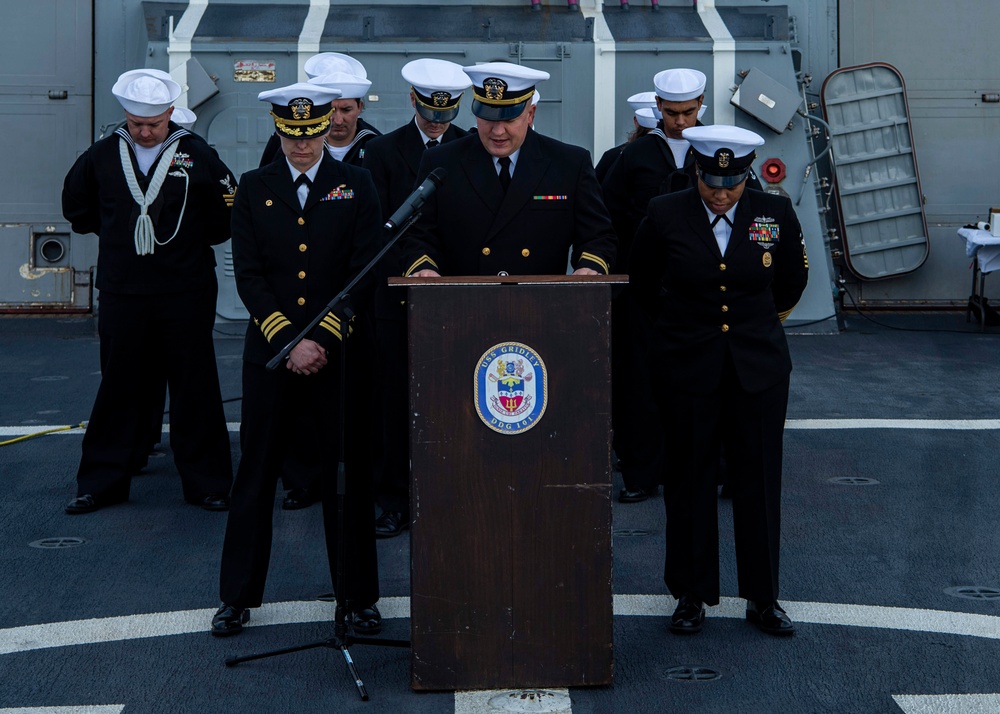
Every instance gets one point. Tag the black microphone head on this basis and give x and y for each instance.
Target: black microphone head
(438, 176)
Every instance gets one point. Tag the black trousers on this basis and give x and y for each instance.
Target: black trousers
(753, 427)
(274, 402)
(147, 340)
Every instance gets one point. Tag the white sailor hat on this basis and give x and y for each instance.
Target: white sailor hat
(184, 117)
(350, 86)
(701, 110)
(437, 88)
(646, 117)
(642, 99)
(329, 62)
(679, 85)
(535, 97)
(502, 90)
(145, 95)
(723, 153)
(301, 110)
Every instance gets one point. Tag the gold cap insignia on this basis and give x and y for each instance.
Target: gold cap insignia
(301, 108)
(441, 99)
(495, 87)
(724, 157)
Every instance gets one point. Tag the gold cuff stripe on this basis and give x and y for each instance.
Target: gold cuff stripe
(273, 325)
(784, 315)
(595, 259)
(422, 259)
(334, 330)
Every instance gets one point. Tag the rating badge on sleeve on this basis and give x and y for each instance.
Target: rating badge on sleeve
(511, 388)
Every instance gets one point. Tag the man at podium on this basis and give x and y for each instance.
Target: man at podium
(514, 202)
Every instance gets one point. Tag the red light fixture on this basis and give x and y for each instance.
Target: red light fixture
(773, 170)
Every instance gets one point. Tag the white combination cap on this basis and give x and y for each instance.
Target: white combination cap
(502, 90)
(301, 110)
(723, 153)
(330, 62)
(184, 117)
(646, 117)
(679, 85)
(642, 99)
(350, 86)
(438, 86)
(145, 95)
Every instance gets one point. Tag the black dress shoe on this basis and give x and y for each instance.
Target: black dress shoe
(215, 502)
(82, 504)
(390, 524)
(688, 617)
(299, 498)
(229, 620)
(367, 621)
(632, 495)
(769, 618)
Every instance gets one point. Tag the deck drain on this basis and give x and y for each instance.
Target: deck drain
(55, 543)
(531, 700)
(684, 673)
(974, 592)
(853, 481)
(631, 532)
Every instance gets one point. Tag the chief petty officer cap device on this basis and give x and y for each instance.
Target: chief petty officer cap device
(501, 90)
(723, 153)
(301, 110)
(437, 88)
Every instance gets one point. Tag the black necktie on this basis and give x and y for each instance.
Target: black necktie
(301, 181)
(721, 217)
(504, 172)
(432, 143)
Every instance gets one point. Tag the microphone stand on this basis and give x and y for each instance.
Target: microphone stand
(343, 635)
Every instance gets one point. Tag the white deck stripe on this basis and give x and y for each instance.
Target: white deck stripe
(86, 709)
(184, 622)
(792, 424)
(948, 703)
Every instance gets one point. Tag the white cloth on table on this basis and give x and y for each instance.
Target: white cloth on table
(983, 246)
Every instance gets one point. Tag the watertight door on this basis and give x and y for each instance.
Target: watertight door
(876, 181)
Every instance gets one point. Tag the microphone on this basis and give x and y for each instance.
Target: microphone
(415, 200)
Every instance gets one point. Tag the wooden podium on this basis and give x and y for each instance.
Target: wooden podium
(510, 405)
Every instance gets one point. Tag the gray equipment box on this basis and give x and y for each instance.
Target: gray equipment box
(766, 100)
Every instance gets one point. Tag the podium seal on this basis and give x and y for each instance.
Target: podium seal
(511, 388)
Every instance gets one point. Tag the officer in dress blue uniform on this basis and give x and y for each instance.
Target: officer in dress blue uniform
(349, 132)
(436, 90)
(303, 227)
(515, 202)
(346, 140)
(716, 269)
(159, 198)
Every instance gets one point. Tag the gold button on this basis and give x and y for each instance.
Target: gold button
(722, 288)
(486, 251)
(301, 301)
(725, 328)
(722, 266)
(525, 252)
(725, 308)
(302, 247)
(302, 221)
(269, 202)
(302, 275)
